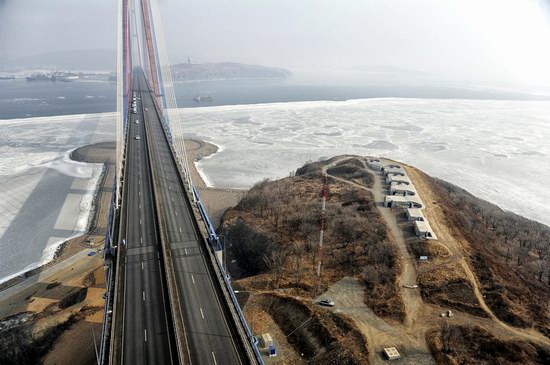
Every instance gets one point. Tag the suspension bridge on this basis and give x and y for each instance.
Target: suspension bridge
(169, 300)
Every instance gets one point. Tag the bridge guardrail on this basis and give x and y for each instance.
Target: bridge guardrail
(173, 294)
(215, 238)
(117, 274)
(109, 276)
(210, 230)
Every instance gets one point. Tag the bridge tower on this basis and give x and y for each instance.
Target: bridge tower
(151, 54)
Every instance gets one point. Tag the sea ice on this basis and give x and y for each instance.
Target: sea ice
(45, 197)
(497, 150)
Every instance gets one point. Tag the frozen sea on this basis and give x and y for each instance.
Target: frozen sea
(45, 197)
(497, 150)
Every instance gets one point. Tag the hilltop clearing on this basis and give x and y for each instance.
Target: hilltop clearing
(371, 267)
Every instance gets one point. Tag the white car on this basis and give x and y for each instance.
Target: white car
(326, 302)
(137, 121)
(137, 137)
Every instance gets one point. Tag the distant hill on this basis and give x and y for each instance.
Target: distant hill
(225, 70)
(98, 59)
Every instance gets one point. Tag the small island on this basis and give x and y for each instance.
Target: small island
(225, 70)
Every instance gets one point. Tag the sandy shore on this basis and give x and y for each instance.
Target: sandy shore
(31, 292)
(216, 200)
(93, 238)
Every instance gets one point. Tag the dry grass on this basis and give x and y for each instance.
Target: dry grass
(283, 217)
(454, 344)
(322, 337)
(511, 290)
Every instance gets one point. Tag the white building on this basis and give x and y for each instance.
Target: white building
(402, 189)
(394, 169)
(408, 201)
(375, 164)
(424, 230)
(398, 179)
(415, 214)
(392, 353)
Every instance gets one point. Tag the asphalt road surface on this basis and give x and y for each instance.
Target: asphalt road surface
(147, 333)
(210, 338)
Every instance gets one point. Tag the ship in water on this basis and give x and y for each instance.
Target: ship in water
(41, 77)
(202, 98)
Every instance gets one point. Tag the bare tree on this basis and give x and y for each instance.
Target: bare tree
(542, 247)
(521, 252)
(540, 265)
(275, 261)
(299, 250)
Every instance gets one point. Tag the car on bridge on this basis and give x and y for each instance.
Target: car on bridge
(137, 137)
(137, 121)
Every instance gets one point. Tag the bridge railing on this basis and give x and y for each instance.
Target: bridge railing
(212, 237)
(108, 276)
(216, 243)
(113, 290)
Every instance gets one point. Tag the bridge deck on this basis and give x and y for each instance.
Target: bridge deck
(147, 333)
(210, 338)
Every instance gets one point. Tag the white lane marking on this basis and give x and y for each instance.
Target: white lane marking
(141, 239)
(169, 188)
(214, 357)
(180, 229)
(143, 296)
(202, 314)
(140, 221)
(176, 213)
(142, 266)
(172, 199)
(145, 330)
(139, 193)
(193, 278)
(185, 251)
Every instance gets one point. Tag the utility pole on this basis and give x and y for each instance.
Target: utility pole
(322, 223)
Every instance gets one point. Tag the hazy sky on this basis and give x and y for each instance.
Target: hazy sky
(473, 40)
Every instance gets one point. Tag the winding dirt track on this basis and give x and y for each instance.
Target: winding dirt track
(421, 317)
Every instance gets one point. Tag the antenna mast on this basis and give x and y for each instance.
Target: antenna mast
(322, 223)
